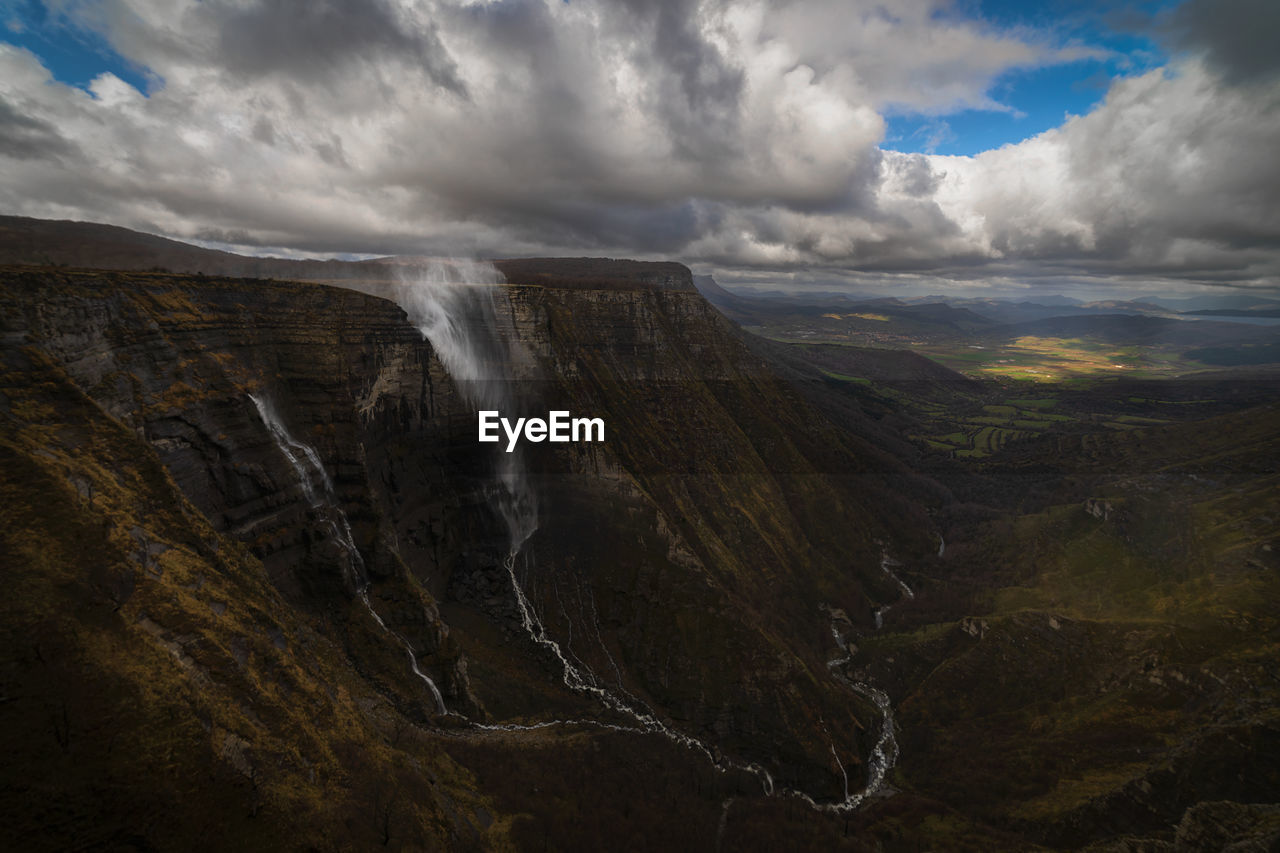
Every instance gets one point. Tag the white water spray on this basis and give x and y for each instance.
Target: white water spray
(887, 564)
(453, 305)
(309, 470)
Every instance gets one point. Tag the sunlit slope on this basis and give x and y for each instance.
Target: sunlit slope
(157, 688)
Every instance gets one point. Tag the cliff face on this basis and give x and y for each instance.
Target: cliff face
(177, 362)
(691, 559)
(709, 534)
(186, 665)
(596, 274)
(688, 563)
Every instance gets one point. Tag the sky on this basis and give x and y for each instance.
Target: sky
(975, 146)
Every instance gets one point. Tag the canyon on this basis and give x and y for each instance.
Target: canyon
(268, 590)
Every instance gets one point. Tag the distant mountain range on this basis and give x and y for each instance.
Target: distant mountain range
(983, 309)
(1133, 330)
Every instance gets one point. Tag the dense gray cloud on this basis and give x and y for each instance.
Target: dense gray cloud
(743, 135)
(308, 40)
(1238, 38)
(24, 137)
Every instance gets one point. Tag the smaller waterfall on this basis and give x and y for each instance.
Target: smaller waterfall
(408, 650)
(844, 774)
(886, 565)
(293, 450)
(310, 471)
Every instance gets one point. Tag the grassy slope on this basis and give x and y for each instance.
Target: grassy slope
(157, 691)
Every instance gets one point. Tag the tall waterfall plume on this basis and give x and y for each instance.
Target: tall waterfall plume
(454, 305)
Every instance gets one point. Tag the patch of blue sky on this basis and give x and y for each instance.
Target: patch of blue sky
(74, 54)
(1038, 99)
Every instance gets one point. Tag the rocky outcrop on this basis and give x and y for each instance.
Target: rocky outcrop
(1229, 827)
(1099, 508)
(718, 516)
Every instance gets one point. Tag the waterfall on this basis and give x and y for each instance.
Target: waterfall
(408, 649)
(293, 450)
(309, 470)
(886, 565)
(452, 304)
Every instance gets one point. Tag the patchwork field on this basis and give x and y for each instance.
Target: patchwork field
(1047, 359)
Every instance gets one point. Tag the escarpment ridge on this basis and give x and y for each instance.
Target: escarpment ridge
(91, 245)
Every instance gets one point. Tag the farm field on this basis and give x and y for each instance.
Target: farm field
(996, 412)
(983, 392)
(1045, 359)
(995, 425)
